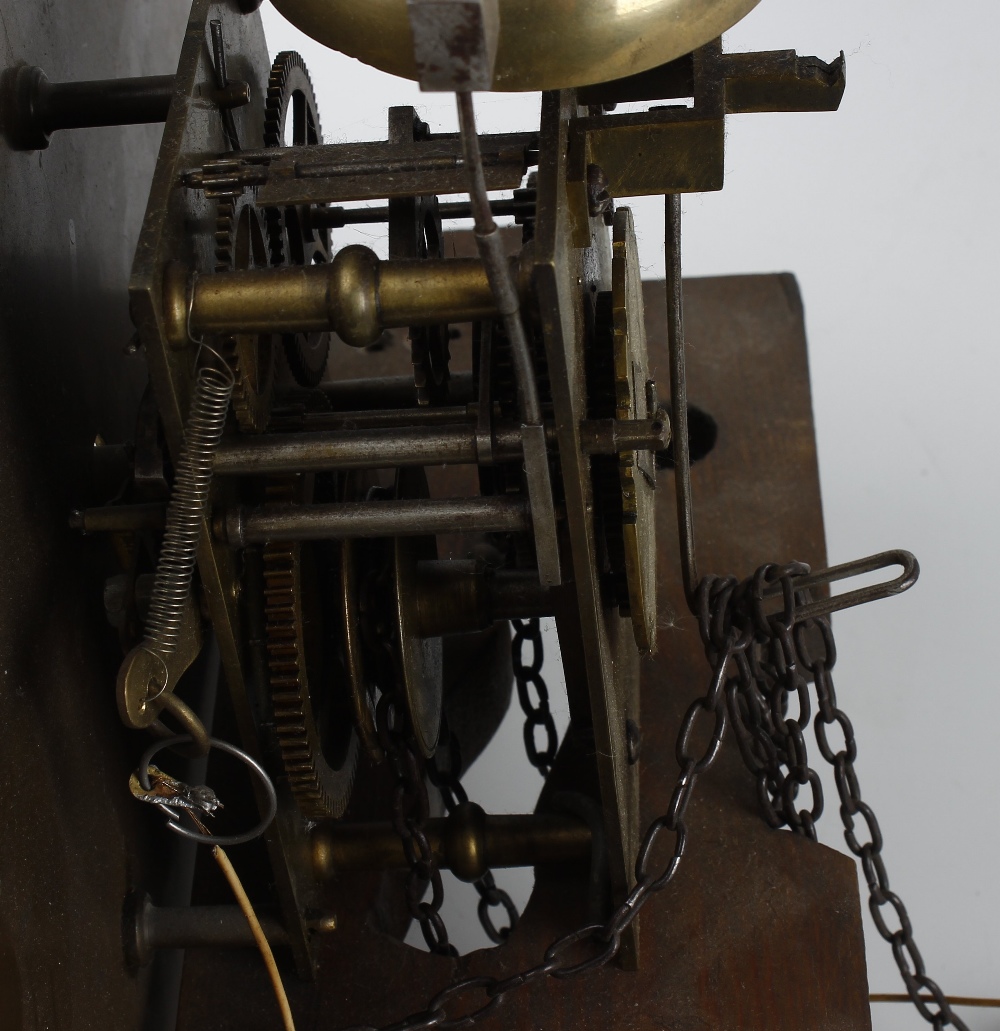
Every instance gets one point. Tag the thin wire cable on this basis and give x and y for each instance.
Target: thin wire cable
(678, 395)
(258, 933)
(953, 1000)
(497, 264)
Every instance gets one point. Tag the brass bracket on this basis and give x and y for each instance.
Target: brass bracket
(680, 149)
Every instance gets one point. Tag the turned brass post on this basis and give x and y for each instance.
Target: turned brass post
(357, 295)
(467, 842)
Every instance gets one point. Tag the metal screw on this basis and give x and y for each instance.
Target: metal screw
(599, 201)
(322, 924)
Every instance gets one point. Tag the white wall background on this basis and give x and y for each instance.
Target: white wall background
(888, 214)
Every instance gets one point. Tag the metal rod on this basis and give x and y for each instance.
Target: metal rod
(356, 294)
(678, 395)
(874, 592)
(336, 217)
(119, 518)
(79, 105)
(391, 391)
(222, 81)
(239, 526)
(467, 842)
(151, 928)
(455, 596)
(518, 594)
(498, 270)
(165, 977)
(612, 436)
(38, 107)
(953, 1000)
(445, 415)
(334, 169)
(361, 449)
(504, 288)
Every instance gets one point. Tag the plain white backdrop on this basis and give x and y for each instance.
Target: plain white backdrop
(887, 212)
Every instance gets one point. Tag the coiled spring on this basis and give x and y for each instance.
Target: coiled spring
(212, 390)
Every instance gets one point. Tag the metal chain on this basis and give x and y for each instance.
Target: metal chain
(595, 945)
(755, 656)
(773, 745)
(410, 810)
(453, 794)
(536, 710)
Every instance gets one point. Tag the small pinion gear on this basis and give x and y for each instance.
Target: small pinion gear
(240, 245)
(312, 722)
(291, 119)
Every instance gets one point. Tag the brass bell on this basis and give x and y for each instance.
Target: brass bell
(542, 44)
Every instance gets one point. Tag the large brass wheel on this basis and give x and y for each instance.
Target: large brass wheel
(310, 707)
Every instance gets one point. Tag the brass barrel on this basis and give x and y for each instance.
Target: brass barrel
(357, 295)
(467, 842)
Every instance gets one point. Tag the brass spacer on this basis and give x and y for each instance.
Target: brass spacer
(464, 842)
(178, 291)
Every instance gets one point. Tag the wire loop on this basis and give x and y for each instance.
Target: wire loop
(223, 746)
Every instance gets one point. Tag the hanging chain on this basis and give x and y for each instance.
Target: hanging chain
(595, 945)
(755, 657)
(536, 710)
(453, 795)
(410, 810)
(769, 677)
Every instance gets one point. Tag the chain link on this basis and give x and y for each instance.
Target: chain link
(453, 794)
(528, 678)
(410, 810)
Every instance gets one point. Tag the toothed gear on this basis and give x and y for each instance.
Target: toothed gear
(312, 721)
(239, 245)
(291, 118)
(618, 387)
(604, 468)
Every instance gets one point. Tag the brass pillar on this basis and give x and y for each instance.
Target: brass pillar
(357, 295)
(467, 842)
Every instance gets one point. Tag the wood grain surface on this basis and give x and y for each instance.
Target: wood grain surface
(71, 846)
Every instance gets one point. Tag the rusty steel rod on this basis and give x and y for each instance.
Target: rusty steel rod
(678, 395)
(239, 526)
(376, 448)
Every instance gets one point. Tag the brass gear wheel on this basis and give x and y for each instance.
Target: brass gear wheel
(239, 245)
(312, 719)
(619, 387)
(291, 118)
